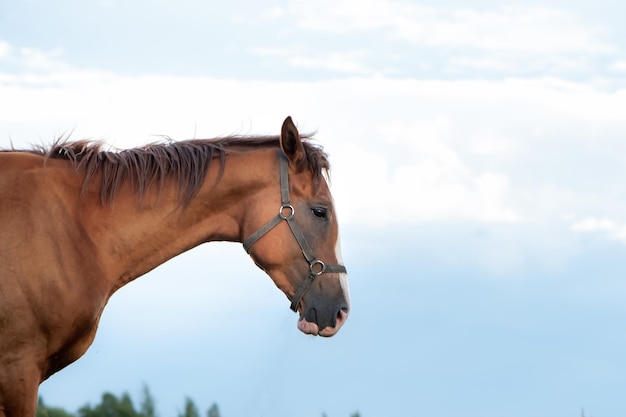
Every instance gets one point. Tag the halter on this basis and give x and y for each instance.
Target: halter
(287, 212)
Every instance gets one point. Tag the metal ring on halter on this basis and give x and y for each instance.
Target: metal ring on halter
(317, 262)
(292, 211)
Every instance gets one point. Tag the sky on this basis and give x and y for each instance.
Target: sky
(479, 155)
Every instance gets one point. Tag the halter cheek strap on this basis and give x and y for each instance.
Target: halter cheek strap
(286, 213)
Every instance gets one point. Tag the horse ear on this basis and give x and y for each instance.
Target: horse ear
(291, 144)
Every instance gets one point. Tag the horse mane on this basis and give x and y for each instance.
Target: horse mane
(183, 162)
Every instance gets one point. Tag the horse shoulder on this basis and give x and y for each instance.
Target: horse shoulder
(48, 275)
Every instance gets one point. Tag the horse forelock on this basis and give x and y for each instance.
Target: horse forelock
(185, 163)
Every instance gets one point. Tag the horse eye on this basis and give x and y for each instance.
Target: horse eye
(320, 212)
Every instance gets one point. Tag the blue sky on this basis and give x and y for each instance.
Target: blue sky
(478, 165)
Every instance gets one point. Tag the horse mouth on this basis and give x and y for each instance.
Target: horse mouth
(307, 327)
(312, 328)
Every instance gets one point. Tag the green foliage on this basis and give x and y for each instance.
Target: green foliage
(45, 411)
(214, 411)
(112, 406)
(148, 404)
(191, 410)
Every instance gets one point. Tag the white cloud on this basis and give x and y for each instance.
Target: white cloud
(5, 50)
(35, 59)
(273, 13)
(403, 151)
(618, 66)
(428, 182)
(340, 62)
(271, 51)
(530, 29)
(31, 59)
(610, 228)
(520, 39)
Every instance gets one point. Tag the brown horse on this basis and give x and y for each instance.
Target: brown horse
(78, 223)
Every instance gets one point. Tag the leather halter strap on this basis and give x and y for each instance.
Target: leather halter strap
(286, 213)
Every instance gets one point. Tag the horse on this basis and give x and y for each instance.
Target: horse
(78, 222)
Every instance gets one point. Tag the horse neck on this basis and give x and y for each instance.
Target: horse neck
(134, 236)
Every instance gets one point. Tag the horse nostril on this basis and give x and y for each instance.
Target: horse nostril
(311, 315)
(342, 315)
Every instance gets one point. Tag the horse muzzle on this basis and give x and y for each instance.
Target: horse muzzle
(326, 323)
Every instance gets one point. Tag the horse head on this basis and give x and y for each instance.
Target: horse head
(299, 246)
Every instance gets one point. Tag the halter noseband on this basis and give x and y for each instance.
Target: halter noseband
(287, 212)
